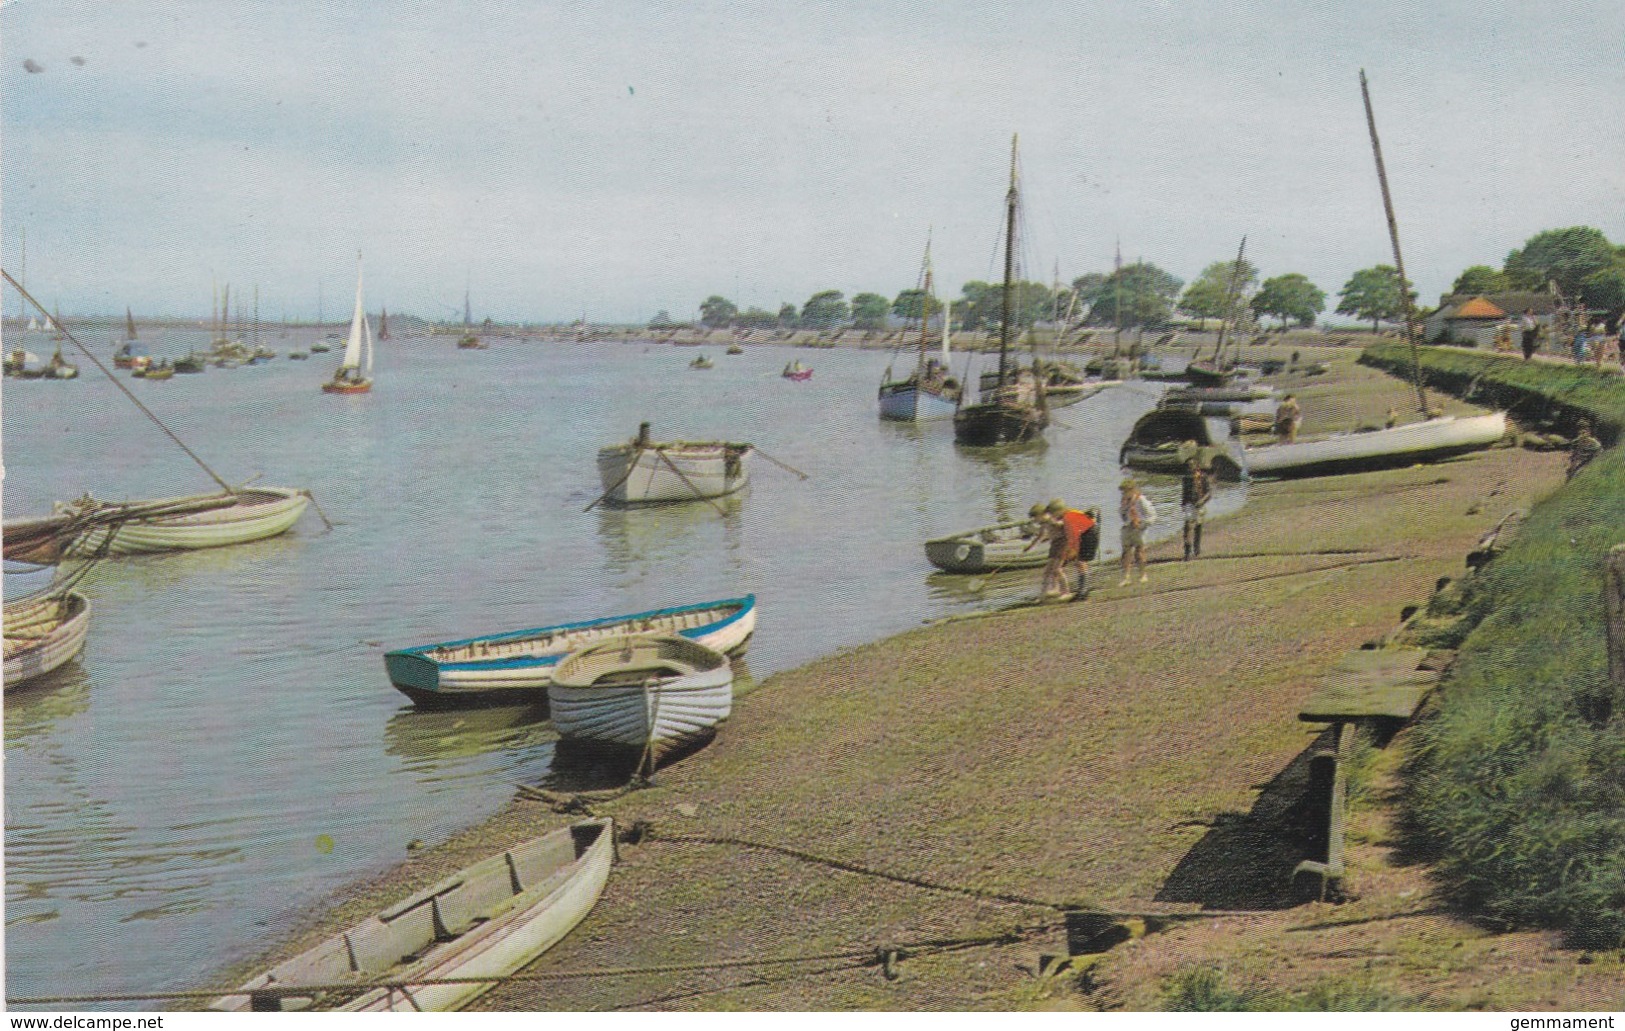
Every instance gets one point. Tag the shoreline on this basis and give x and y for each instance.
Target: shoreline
(985, 753)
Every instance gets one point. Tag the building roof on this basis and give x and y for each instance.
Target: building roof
(1478, 308)
(1510, 301)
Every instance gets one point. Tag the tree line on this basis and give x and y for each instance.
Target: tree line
(1579, 260)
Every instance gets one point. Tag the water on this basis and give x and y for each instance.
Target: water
(228, 751)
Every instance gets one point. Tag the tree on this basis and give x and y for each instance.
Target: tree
(717, 312)
(1374, 293)
(824, 310)
(1478, 280)
(1290, 297)
(1147, 294)
(1566, 257)
(869, 311)
(661, 320)
(911, 304)
(756, 318)
(787, 315)
(1208, 296)
(983, 304)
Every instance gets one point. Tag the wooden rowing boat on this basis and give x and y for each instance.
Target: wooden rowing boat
(647, 472)
(83, 527)
(1163, 440)
(652, 694)
(42, 633)
(1401, 445)
(486, 921)
(1002, 546)
(516, 667)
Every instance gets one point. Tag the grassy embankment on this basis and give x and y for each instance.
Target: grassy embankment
(1516, 788)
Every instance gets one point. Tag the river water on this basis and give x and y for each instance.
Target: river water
(228, 751)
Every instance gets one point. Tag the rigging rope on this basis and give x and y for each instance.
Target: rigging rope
(127, 392)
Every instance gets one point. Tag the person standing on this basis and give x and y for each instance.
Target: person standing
(1287, 418)
(1137, 513)
(1194, 492)
(1531, 333)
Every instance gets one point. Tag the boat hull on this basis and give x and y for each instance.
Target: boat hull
(43, 634)
(992, 424)
(987, 549)
(907, 402)
(1402, 445)
(611, 695)
(515, 668)
(667, 474)
(336, 387)
(262, 513)
(487, 921)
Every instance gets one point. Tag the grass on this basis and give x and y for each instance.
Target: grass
(1516, 784)
(1205, 989)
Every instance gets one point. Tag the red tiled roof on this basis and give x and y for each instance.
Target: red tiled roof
(1479, 308)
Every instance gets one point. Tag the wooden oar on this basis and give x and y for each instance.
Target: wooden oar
(690, 483)
(781, 465)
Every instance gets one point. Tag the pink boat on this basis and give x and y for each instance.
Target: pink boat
(797, 372)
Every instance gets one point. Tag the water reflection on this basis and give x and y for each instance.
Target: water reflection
(44, 701)
(648, 536)
(515, 741)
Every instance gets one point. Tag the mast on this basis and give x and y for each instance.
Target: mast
(925, 300)
(129, 324)
(318, 304)
(1229, 303)
(256, 315)
(22, 308)
(1399, 261)
(1009, 263)
(947, 328)
(1117, 304)
(468, 314)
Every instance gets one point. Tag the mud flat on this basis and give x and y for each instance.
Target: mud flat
(927, 805)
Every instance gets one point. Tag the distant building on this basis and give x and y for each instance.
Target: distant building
(1471, 320)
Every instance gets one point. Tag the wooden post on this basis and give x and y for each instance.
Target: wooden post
(1613, 600)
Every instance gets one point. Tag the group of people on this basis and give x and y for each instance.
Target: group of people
(1590, 343)
(1074, 535)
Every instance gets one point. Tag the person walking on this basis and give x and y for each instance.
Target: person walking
(1531, 333)
(1194, 492)
(1137, 513)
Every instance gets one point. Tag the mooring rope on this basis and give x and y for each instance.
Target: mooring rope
(127, 392)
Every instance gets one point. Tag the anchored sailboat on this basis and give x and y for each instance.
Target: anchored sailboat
(1015, 410)
(928, 392)
(351, 377)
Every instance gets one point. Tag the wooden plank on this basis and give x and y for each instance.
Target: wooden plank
(1367, 683)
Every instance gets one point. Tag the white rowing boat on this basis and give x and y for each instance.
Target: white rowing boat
(1002, 546)
(486, 921)
(1348, 452)
(174, 524)
(42, 633)
(647, 472)
(652, 694)
(516, 667)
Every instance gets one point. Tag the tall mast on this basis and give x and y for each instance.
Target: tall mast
(1399, 261)
(1009, 263)
(1117, 303)
(256, 314)
(1229, 303)
(925, 298)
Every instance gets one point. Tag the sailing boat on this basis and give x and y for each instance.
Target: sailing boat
(130, 354)
(383, 324)
(1015, 410)
(469, 341)
(350, 377)
(928, 392)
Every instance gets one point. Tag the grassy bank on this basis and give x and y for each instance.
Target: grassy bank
(1516, 788)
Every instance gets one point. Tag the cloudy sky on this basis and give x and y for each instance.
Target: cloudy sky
(620, 158)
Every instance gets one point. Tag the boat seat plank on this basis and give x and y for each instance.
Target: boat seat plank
(1371, 683)
(378, 945)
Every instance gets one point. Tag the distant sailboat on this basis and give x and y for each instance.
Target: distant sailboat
(928, 392)
(469, 341)
(351, 377)
(129, 325)
(383, 324)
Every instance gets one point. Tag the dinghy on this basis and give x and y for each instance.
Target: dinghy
(515, 668)
(1401, 445)
(648, 472)
(1002, 546)
(83, 527)
(42, 633)
(352, 376)
(486, 921)
(651, 694)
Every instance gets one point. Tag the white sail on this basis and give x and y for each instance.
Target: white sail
(352, 348)
(366, 332)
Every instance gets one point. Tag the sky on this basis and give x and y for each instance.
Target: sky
(614, 160)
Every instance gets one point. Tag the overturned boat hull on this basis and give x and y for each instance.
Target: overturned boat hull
(1401, 445)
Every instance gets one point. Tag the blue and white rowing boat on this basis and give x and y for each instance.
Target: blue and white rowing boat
(515, 668)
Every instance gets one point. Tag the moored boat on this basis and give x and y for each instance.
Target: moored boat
(89, 527)
(1401, 445)
(1163, 440)
(797, 371)
(488, 920)
(515, 667)
(1001, 546)
(42, 633)
(929, 391)
(701, 362)
(647, 693)
(644, 471)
